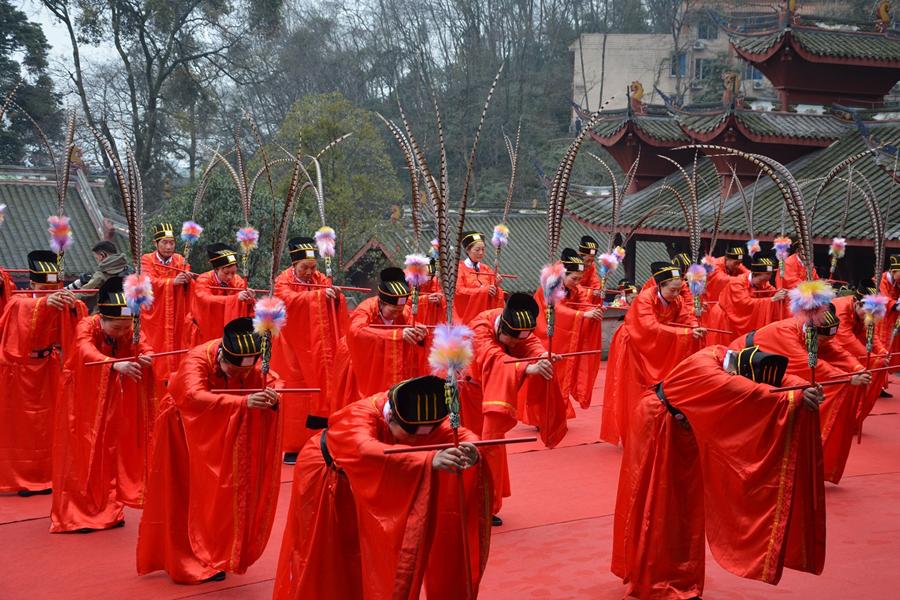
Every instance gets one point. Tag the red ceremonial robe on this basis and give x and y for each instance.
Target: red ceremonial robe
(508, 394)
(573, 332)
(432, 313)
(304, 354)
(472, 297)
(642, 352)
(591, 282)
(746, 472)
(33, 338)
(406, 527)
(851, 336)
(212, 309)
(371, 360)
(891, 289)
(794, 273)
(102, 433)
(837, 413)
(719, 278)
(6, 288)
(741, 310)
(214, 476)
(165, 322)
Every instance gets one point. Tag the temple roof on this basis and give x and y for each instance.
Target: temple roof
(768, 202)
(692, 122)
(30, 196)
(865, 46)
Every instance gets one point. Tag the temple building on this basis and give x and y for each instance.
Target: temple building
(831, 83)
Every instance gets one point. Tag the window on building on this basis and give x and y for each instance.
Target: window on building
(751, 73)
(701, 68)
(678, 65)
(707, 30)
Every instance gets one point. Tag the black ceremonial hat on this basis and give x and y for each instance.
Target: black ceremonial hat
(762, 367)
(392, 287)
(241, 345)
(519, 317)
(419, 402)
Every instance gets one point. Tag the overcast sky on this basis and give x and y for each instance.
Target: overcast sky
(57, 36)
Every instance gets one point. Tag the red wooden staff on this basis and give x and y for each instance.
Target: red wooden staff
(82, 291)
(562, 355)
(478, 443)
(180, 270)
(343, 288)
(398, 326)
(842, 381)
(237, 289)
(134, 358)
(700, 327)
(14, 270)
(500, 275)
(280, 391)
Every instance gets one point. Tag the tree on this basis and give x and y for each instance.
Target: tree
(361, 185)
(155, 43)
(359, 182)
(23, 57)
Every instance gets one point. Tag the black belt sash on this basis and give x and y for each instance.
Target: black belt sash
(679, 416)
(326, 455)
(314, 422)
(748, 341)
(42, 352)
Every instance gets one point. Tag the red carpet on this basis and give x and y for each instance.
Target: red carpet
(555, 542)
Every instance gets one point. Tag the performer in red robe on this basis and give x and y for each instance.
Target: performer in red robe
(304, 353)
(212, 308)
(511, 389)
(103, 425)
(627, 292)
(35, 331)
(587, 250)
(372, 359)
(165, 322)
(723, 460)
(577, 328)
(748, 302)
(363, 524)
(727, 266)
(646, 347)
(839, 409)
(477, 288)
(889, 286)
(851, 335)
(432, 304)
(216, 463)
(681, 261)
(794, 273)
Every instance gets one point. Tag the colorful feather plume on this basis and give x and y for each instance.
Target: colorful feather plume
(451, 350)
(553, 278)
(838, 247)
(753, 247)
(782, 247)
(608, 262)
(60, 233)
(810, 299)
(501, 236)
(270, 315)
(248, 238)
(874, 307)
(435, 251)
(190, 232)
(325, 238)
(619, 253)
(415, 267)
(696, 279)
(2, 213)
(709, 263)
(138, 292)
